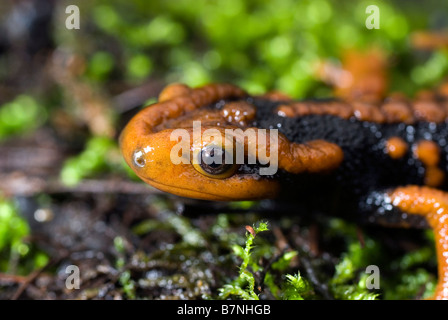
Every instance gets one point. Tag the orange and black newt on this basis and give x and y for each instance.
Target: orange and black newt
(383, 160)
(364, 154)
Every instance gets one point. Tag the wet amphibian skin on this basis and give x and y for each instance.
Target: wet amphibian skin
(383, 159)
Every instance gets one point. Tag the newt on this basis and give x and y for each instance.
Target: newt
(382, 160)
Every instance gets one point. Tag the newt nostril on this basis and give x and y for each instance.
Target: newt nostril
(138, 158)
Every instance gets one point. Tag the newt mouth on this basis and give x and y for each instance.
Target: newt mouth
(204, 195)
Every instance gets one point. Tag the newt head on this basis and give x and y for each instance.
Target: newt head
(204, 143)
(167, 149)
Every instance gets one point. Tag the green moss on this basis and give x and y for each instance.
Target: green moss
(261, 272)
(284, 261)
(405, 276)
(244, 285)
(349, 280)
(411, 284)
(412, 280)
(297, 287)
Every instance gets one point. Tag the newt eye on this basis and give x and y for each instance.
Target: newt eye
(214, 161)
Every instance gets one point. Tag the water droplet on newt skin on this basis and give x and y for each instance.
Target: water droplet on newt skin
(138, 158)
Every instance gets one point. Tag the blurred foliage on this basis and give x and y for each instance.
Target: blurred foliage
(100, 155)
(259, 45)
(17, 256)
(12, 229)
(21, 115)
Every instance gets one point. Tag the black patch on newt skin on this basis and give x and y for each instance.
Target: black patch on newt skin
(254, 170)
(366, 167)
(377, 208)
(362, 142)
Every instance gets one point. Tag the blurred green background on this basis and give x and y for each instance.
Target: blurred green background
(260, 45)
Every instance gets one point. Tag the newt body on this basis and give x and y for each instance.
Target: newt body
(382, 161)
(367, 166)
